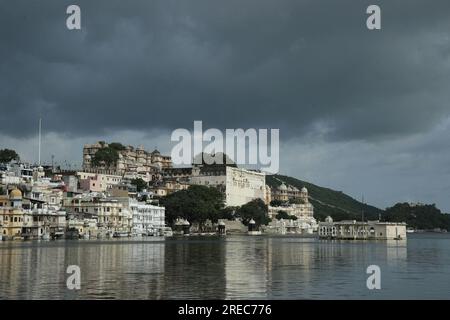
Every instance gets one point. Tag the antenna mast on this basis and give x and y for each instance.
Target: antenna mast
(39, 147)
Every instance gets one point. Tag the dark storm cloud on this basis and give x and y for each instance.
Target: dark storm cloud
(293, 65)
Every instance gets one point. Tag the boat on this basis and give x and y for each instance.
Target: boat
(120, 234)
(410, 230)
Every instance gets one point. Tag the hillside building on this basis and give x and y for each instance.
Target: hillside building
(131, 160)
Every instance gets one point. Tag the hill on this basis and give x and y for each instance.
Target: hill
(339, 206)
(422, 217)
(328, 202)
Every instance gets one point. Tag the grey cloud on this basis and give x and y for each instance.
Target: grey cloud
(287, 64)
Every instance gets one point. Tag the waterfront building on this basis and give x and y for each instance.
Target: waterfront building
(303, 211)
(302, 208)
(358, 230)
(47, 221)
(147, 219)
(83, 227)
(131, 159)
(290, 226)
(11, 215)
(111, 215)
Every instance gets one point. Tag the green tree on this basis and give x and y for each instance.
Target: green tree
(196, 204)
(256, 210)
(296, 201)
(105, 156)
(139, 183)
(276, 203)
(227, 213)
(8, 155)
(284, 215)
(117, 146)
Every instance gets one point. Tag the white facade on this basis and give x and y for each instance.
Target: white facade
(243, 186)
(9, 178)
(357, 230)
(299, 226)
(146, 218)
(239, 185)
(304, 212)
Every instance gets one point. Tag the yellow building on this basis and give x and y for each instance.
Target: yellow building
(11, 215)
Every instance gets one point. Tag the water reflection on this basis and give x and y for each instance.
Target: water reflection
(224, 268)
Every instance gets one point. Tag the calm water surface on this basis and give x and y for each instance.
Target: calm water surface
(235, 267)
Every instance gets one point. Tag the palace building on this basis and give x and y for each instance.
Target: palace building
(131, 160)
(239, 185)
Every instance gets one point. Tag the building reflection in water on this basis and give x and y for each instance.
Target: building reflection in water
(293, 267)
(195, 268)
(109, 269)
(233, 267)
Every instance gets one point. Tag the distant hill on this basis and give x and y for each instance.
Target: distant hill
(339, 206)
(422, 217)
(328, 202)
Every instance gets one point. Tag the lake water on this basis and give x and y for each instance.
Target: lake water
(232, 267)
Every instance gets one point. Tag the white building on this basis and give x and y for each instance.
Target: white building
(358, 230)
(146, 218)
(303, 211)
(240, 186)
(7, 178)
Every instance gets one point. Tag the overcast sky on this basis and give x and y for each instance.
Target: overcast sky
(365, 112)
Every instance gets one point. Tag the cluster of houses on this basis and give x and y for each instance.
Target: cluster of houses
(39, 207)
(100, 200)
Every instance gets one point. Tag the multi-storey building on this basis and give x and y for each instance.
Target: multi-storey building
(47, 221)
(97, 182)
(240, 186)
(147, 219)
(111, 215)
(302, 209)
(11, 215)
(362, 230)
(131, 160)
(285, 193)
